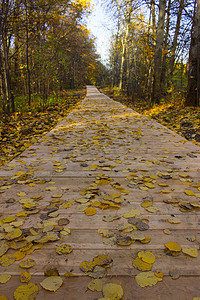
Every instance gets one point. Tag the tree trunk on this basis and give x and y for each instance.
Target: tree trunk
(175, 39)
(164, 61)
(124, 45)
(156, 94)
(193, 89)
(153, 13)
(27, 57)
(6, 74)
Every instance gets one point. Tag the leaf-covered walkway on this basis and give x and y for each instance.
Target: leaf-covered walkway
(106, 181)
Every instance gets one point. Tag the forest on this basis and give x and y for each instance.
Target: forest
(48, 56)
(155, 51)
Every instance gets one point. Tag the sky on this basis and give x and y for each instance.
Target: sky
(100, 25)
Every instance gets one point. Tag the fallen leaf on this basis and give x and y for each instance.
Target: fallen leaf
(28, 263)
(25, 276)
(142, 226)
(146, 203)
(173, 220)
(102, 260)
(8, 219)
(105, 232)
(87, 266)
(64, 249)
(21, 194)
(141, 265)
(173, 246)
(193, 252)
(124, 241)
(67, 204)
(97, 272)
(95, 285)
(147, 279)
(6, 260)
(90, 211)
(18, 255)
(4, 278)
(137, 236)
(13, 234)
(26, 292)
(147, 256)
(132, 213)
(51, 188)
(189, 193)
(152, 209)
(3, 249)
(52, 283)
(112, 291)
(167, 231)
(51, 272)
(150, 185)
(62, 222)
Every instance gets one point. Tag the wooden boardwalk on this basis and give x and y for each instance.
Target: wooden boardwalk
(103, 152)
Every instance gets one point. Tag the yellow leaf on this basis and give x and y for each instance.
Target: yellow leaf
(4, 278)
(64, 249)
(147, 256)
(65, 231)
(25, 276)
(28, 263)
(19, 255)
(189, 193)
(96, 285)
(167, 231)
(131, 214)
(17, 223)
(165, 191)
(150, 185)
(19, 173)
(97, 272)
(152, 209)
(146, 203)
(102, 260)
(143, 188)
(104, 232)
(173, 246)
(52, 283)
(193, 252)
(8, 219)
(173, 220)
(3, 249)
(147, 279)
(22, 214)
(87, 266)
(51, 188)
(6, 260)
(21, 194)
(26, 292)
(137, 236)
(67, 204)
(112, 291)
(13, 234)
(90, 211)
(159, 274)
(140, 265)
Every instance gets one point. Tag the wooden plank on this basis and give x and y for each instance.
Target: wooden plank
(104, 130)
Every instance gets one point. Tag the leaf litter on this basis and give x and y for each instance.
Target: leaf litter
(95, 201)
